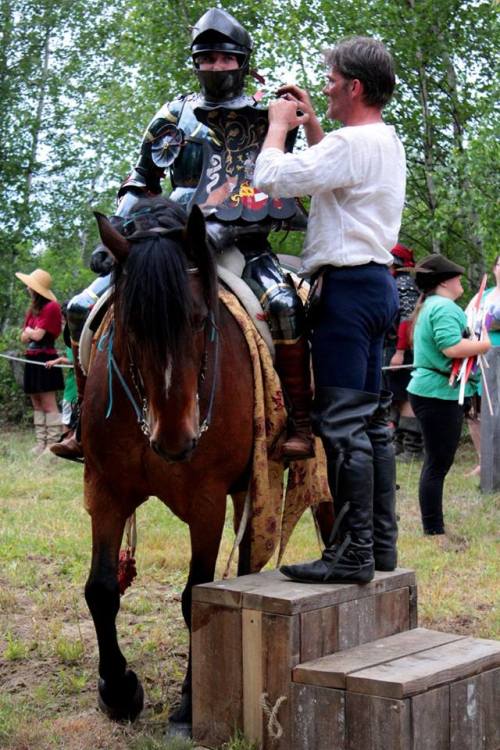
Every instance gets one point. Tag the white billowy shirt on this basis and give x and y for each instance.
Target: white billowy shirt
(356, 176)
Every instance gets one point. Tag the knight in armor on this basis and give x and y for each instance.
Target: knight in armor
(207, 143)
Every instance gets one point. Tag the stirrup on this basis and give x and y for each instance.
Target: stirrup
(300, 453)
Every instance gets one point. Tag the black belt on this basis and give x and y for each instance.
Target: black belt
(433, 369)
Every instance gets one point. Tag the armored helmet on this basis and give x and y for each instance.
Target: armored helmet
(218, 31)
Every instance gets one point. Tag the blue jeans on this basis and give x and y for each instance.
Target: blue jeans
(358, 306)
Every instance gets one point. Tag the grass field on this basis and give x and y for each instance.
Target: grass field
(48, 654)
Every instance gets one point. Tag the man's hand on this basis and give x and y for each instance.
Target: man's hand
(299, 96)
(284, 112)
(314, 131)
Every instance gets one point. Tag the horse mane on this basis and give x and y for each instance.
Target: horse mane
(152, 300)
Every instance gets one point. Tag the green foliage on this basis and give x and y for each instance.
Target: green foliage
(239, 742)
(43, 527)
(79, 83)
(15, 648)
(13, 402)
(69, 651)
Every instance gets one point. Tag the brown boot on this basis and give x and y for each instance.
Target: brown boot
(53, 424)
(40, 432)
(293, 366)
(70, 447)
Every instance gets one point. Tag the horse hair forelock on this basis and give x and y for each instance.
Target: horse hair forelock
(152, 299)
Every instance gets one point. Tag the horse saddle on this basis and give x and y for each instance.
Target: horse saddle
(230, 266)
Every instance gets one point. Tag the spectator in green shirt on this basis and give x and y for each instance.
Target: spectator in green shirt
(439, 337)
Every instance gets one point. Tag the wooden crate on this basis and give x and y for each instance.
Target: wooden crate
(250, 632)
(419, 690)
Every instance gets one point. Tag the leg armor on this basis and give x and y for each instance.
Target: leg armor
(276, 294)
(286, 320)
(81, 304)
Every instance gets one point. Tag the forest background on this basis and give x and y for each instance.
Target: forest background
(80, 80)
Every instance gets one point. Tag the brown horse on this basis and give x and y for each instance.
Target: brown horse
(167, 412)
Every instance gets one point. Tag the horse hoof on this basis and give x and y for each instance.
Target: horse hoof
(183, 713)
(182, 729)
(124, 703)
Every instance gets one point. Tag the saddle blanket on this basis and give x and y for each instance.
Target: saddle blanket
(277, 500)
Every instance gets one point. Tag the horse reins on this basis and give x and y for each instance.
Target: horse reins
(141, 411)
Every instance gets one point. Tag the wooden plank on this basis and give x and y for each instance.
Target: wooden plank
(430, 720)
(281, 652)
(332, 670)
(370, 618)
(427, 669)
(288, 597)
(319, 633)
(413, 604)
(251, 623)
(217, 682)
(392, 612)
(229, 592)
(475, 712)
(318, 716)
(270, 591)
(377, 723)
(357, 623)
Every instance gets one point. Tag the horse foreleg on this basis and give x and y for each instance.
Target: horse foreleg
(120, 693)
(205, 541)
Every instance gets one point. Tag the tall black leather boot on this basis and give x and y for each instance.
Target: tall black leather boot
(340, 418)
(385, 526)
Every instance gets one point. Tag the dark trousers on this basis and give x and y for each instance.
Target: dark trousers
(441, 422)
(357, 307)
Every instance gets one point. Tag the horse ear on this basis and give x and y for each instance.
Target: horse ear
(116, 243)
(196, 235)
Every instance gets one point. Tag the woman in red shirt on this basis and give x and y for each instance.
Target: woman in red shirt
(42, 325)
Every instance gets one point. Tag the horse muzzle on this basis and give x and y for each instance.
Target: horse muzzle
(174, 456)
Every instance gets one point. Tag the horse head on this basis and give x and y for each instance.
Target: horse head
(165, 305)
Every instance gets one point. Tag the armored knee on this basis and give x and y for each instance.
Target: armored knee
(81, 304)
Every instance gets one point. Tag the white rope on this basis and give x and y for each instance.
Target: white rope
(274, 728)
(398, 367)
(239, 536)
(29, 361)
(131, 532)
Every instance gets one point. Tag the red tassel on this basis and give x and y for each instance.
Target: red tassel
(127, 570)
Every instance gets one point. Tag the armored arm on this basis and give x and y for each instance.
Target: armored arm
(160, 147)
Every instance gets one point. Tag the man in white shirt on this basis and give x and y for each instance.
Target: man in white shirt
(356, 177)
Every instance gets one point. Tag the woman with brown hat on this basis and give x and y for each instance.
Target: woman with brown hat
(42, 325)
(440, 327)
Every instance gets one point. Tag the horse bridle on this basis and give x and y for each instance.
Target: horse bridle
(141, 411)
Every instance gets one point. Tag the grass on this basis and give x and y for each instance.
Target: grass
(48, 654)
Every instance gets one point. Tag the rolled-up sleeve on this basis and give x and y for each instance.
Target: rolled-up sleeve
(322, 167)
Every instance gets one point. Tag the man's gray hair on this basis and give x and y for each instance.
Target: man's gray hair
(367, 60)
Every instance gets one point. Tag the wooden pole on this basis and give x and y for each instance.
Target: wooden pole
(490, 425)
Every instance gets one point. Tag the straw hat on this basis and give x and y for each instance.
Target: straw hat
(40, 281)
